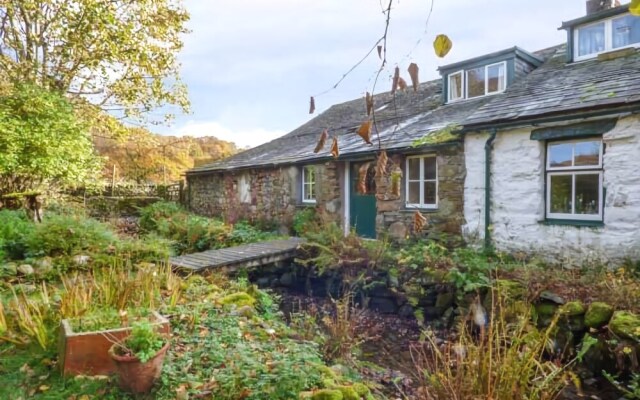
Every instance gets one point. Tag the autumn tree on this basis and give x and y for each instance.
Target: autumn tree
(119, 54)
(42, 143)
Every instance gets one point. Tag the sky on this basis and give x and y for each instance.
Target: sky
(251, 65)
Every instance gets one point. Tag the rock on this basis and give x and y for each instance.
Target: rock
(240, 299)
(552, 297)
(263, 282)
(393, 281)
(327, 394)
(348, 392)
(545, 311)
(245, 311)
(398, 231)
(406, 311)
(10, 269)
(43, 265)
(598, 315)
(81, 259)
(625, 324)
(26, 269)
(383, 305)
(287, 279)
(573, 315)
(444, 301)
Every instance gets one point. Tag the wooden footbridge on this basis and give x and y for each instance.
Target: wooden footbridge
(245, 256)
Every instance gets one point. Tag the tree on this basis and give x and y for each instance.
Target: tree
(120, 54)
(42, 143)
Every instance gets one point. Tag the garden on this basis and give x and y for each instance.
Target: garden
(349, 319)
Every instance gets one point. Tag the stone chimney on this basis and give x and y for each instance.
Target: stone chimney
(594, 6)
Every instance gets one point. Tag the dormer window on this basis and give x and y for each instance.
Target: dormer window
(606, 35)
(477, 82)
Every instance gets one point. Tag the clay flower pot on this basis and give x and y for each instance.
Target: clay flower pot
(135, 376)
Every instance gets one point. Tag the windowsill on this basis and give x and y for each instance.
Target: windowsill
(421, 209)
(573, 222)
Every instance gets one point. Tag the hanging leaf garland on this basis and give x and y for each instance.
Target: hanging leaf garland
(396, 178)
(312, 105)
(321, 142)
(419, 222)
(634, 8)
(362, 178)
(365, 131)
(402, 84)
(381, 164)
(369, 103)
(413, 73)
(380, 51)
(335, 151)
(442, 45)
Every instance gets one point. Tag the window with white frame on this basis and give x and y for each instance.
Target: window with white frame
(422, 182)
(477, 82)
(309, 184)
(456, 86)
(574, 179)
(606, 35)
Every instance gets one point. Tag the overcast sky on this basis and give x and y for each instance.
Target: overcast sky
(251, 65)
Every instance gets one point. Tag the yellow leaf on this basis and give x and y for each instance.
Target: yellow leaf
(634, 7)
(396, 78)
(43, 388)
(84, 397)
(381, 165)
(362, 178)
(369, 102)
(413, 73)
(312, 105)
(323, 139)
(419, 222)
(365, 131)
(335, 151)
(402, 84)
(442, 45)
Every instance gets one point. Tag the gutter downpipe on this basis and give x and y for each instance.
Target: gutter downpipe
(488, 146)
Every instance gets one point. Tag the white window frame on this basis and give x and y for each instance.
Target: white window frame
(486, 80)
(608, 38)
(462, 86)
(421, 180)
(574, 171)
(312, 184)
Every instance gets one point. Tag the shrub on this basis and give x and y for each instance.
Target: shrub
(243, 233)
(61, 235)
(303, 221)
(153, 215)
(149, 248)
(15, 227)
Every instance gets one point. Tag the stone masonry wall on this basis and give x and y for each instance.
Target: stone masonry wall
(448, 218)
(269, 195)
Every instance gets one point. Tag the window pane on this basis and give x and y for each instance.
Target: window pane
(414, 193)
(591, 39)
(496, 78)
(429, 168)
(560, 155)
(625, 30)
(414, 169)
(429, 193)
(475, 82)
(455, 86)
(560, 194)
(587, 153)
(587, 194)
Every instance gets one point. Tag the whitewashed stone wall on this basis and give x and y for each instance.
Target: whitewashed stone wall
(518, 202)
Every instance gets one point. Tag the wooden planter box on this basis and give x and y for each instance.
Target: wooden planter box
(86, 353)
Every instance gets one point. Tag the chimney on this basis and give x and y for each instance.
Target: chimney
(594, 6)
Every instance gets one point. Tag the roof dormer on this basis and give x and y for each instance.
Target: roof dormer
(486, 75)
(604, 29)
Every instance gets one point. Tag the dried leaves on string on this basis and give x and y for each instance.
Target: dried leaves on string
(321, 142)
(365, 131)
(396, 78)
(381, 164)
(335, 151)
(442, 45)
(380, 51)
(369, 102)
(402, 84)
(413, 73)
(419, 222)
(396, 178)
(362, 178)
(312, 105)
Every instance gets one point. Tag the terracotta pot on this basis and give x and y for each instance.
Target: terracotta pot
(135, 376)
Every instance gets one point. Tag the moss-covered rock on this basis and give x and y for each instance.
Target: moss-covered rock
(573, 308)
(625, 324)
(598, 314)
(327, 394)
(546, 309)
(348, 392)
(361, 389)
(239, 299)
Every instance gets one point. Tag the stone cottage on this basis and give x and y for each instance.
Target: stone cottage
(520, 151)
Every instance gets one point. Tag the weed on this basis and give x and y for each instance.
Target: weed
(30, 316)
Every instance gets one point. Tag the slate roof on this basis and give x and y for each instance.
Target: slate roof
(561, 88)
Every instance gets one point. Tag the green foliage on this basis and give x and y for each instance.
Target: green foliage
(144, 341)
(150, 248)
(106, 318)
(630, 389)
(57, 149)
(15, 227)
(154, 214)
(472, 271)
(304, 220)
(447, 134)
(61, 235)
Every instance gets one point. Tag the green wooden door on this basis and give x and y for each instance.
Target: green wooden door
(362, 209)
